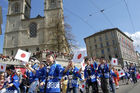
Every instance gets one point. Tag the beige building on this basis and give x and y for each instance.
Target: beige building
(34, 34)
(111, 43)
(0, 20)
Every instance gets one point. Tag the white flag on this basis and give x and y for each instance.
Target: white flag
(121, 73)
(114, 61)
(23, 55)
(2, 67)
(83, 65)
(78, 56)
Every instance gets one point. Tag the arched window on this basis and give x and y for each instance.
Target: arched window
(16, 8)
(33, 29)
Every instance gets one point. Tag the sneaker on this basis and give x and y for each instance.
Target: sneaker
(117, 87)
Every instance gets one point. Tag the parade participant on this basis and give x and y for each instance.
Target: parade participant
(111, 80)
(138, 75)
(116, 79)
(73, 74)
(103, 71)
(29, 74)
(64, 83)
(2, 81)
(126, 71)
(41, 75)
(95, 63)
(90, 76)
(34, 80)
(53, 75)
(13, 84)
(38, 77)
(24, 83)
(132, 71)
(82, 83)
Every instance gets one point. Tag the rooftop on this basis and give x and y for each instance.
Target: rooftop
(108, 30)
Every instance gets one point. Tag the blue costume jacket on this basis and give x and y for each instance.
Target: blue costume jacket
(32, 77)
(90, 73)
(132, 70)
(103, 70)
(53, 74)
(111, 75)
(73, 76)
(15, 80)
(41, 75)
(95, 65)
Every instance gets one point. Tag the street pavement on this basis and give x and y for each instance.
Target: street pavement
(130, 88)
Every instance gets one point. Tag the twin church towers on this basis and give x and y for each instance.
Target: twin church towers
(34, 34)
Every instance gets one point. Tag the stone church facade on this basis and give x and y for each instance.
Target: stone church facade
(34, 34)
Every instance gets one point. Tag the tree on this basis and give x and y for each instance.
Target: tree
(70, 37)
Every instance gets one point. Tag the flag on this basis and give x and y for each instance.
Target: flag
(114, 61)
(121, 73)
(2, 67)
(23, 55)
(83, 65)
(78, 56)
(82, 86)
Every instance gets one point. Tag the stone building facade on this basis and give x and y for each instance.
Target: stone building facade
(111, 43)
(0, 20)
(34, 34)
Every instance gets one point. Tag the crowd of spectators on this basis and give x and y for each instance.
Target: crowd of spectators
(39, 54)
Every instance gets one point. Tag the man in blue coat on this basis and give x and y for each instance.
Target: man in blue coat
(73, 77)
(13, 84)
(90, 75)
(53, 74)
(103, 72)
(132, 71)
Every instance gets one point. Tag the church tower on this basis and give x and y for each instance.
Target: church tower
(34, 34)
(55, 22)
(17, 11)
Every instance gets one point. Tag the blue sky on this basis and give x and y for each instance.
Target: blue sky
(85, 17)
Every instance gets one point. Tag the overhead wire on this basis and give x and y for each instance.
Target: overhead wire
(130, 18)
(74, 14)
(102, 11)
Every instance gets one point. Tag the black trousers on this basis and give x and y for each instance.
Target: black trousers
(94, 86)
(105, 85)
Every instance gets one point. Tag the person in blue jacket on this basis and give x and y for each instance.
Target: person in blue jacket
(111, 80)
(94, 62)
(74, 75)
(103, 72)
(13, 84)
(41, 76)
(34, 81)
(53, 73)
(132, 71)
(90, 75)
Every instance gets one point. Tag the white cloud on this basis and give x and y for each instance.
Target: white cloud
(136, 37)
(82, 49)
